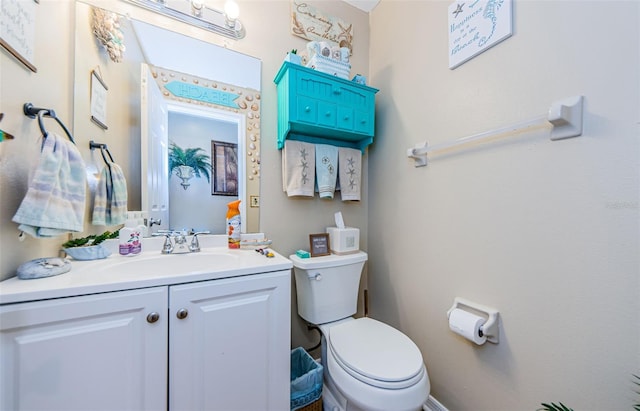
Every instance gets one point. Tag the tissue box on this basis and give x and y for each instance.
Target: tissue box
(344, 240)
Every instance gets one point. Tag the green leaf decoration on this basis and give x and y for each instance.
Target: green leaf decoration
(195, 158)
(554, 407)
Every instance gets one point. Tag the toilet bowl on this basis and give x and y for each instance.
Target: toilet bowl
(368, 365)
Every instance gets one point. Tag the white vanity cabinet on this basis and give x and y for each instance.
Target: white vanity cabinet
(95, 352)
(213, 344)
(229, 344)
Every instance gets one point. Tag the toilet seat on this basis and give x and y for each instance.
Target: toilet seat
(376, 353)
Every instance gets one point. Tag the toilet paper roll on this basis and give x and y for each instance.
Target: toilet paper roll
(467, 325)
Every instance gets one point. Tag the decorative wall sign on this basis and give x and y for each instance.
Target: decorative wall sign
(475, 26)
(17, 29)
(98, 100)
(205, 94)
(311, 24)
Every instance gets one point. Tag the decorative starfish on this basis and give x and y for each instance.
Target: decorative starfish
(304, 165)
(351, 172)
(458, 9)
(304, 178)
(303, 153)
(351, 161)
(352, 184)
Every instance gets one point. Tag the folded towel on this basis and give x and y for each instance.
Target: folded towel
(55, 200)
(110, 204)
(298, 168)
(349, 173)
(326, 169)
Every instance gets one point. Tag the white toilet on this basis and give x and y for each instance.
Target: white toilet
(368, 365)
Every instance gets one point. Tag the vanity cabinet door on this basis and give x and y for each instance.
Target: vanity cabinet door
(95, 352)
(229, 344)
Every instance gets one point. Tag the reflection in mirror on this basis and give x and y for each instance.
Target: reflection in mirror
(172, 90)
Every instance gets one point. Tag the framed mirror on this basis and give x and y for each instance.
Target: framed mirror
(169, 91)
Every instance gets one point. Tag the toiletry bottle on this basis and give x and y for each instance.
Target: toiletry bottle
(130, 243)
(233, 224)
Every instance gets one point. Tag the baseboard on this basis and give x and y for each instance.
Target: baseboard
(433, 405)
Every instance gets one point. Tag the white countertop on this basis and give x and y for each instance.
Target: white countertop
(215, 261)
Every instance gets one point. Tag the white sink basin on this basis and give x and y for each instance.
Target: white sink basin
(174, 264)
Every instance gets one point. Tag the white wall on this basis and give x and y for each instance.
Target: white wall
(546, 232)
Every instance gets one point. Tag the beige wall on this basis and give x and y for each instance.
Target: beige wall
(546, 232)
(287, 221)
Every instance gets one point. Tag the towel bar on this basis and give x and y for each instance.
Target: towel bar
(564, 117)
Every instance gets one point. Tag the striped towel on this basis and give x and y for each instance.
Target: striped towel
(55, 200)
(110, 203)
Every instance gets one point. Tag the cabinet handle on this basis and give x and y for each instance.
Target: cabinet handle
(153, 317)
(307, 109)
(328, 114)
(346, 117)
(337, 91)
(182, 313)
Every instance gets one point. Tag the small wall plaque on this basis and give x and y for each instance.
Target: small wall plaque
(319, 244)
(98, 100)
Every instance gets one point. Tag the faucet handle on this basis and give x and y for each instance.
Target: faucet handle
(167, 248)
(195, 244)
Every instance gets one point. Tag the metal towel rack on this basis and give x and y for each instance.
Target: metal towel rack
(564, 117)
(33, 112)
(103, 147)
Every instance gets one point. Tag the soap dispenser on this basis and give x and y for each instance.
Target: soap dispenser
(130, 243)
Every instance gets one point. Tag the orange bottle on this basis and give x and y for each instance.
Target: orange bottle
(234, 223)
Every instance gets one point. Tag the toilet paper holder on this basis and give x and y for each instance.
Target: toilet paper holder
(491, 327)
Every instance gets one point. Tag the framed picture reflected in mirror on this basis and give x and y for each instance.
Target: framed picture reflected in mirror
(225, 168)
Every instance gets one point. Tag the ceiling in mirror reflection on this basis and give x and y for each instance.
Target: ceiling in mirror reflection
(164, 48)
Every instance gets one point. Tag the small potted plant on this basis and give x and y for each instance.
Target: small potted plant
(293, 57)
(90, 247)
(188, 163)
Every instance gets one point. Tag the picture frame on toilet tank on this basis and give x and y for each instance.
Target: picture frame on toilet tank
(319, 244)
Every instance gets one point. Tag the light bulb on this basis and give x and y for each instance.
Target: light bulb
(231, 10)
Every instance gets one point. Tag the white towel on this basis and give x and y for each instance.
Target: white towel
(349, 173)
(110, 204)
(326, 169)
(55, 200)
(298, 168)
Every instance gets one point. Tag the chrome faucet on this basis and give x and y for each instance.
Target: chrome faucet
(176, 242)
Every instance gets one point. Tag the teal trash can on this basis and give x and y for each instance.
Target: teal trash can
(306, 379)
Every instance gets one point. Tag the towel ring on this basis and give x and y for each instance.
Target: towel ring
(33, 112)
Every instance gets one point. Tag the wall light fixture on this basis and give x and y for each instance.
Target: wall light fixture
(197, 13)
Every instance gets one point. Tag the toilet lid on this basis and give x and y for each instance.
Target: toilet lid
(376, 353)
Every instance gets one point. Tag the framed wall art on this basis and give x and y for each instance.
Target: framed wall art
(18, 28)
(225, 168)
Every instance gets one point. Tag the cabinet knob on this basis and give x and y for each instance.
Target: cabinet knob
(307, 109)
(337, 91)
(328, 114)
(182, 313)
(153, 317)
(346, 117)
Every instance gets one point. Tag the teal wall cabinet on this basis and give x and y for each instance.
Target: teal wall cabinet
(320, 108)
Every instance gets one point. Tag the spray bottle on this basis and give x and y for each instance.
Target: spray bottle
(234, 223)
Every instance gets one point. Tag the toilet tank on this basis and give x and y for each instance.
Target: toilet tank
(327, 287)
